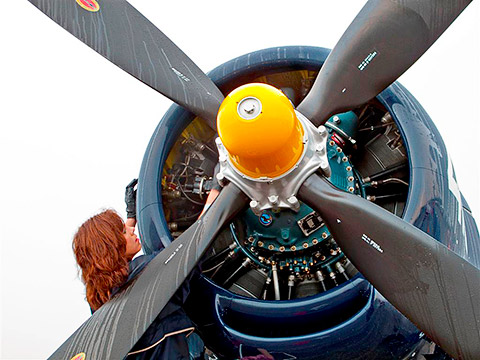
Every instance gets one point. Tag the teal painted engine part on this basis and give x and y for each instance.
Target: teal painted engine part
(344, 125)
(299, 242)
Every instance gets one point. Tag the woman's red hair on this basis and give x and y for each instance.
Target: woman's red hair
(99, 247)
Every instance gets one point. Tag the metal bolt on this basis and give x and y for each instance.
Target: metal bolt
(273, 199)
(324, 235)
(325, 166)
(221, 178)
(281, 248)
(293, 201)
(336, 120)
(255, 206)
(305, 245)
(315, 241)
(260, 243)
(223, 158)
(271, 247)
(293, 248)
(320, 149)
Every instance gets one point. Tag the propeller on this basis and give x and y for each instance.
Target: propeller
(119, 32)
(432, 286)
(381, 43)
(114, 329)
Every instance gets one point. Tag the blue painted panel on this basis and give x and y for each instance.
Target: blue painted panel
(434, 203)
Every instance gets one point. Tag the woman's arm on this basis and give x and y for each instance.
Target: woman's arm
(131, 222)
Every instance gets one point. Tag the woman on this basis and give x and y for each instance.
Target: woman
(104, 247)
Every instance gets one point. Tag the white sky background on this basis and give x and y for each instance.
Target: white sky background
(74, 128)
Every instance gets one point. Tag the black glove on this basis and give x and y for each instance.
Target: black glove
(131, 199)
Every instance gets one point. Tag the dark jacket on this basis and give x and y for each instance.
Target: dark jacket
(171, 335)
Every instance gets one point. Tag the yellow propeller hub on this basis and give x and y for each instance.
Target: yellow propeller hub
(258, 127)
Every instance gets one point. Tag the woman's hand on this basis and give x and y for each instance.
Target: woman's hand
(131, 199)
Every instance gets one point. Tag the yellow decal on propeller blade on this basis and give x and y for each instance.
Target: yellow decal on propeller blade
(80, 356)
(89, 5)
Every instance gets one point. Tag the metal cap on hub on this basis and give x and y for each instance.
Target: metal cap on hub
(249, 108)
(260, 130)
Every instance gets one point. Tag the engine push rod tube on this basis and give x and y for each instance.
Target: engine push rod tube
(276, 284)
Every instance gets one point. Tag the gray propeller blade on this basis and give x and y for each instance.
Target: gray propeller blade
(432, 286)
(115, 328)
(381, 43)
(124, 36)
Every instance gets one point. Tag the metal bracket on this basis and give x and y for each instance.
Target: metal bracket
(281, 191)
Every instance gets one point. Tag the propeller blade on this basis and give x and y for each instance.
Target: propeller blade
(381, 43)
(119, 32)
(432, 286)
(116, 327)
